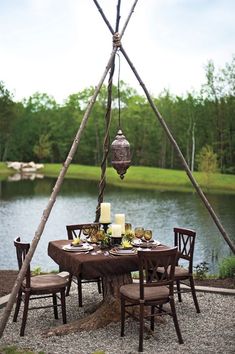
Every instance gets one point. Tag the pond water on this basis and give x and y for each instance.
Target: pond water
(22, 203)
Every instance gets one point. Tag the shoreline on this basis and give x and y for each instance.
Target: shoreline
(139, 177)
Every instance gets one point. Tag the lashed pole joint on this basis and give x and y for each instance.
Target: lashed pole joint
(116, 40)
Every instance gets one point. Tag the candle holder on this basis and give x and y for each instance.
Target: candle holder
(115, 241)
(105, 226)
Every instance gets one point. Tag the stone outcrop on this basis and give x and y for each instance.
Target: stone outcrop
(25, 167)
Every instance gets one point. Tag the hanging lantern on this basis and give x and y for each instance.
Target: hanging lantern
(121, 155)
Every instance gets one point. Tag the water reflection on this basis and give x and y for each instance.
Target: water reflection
(22, 204)
(21, 176)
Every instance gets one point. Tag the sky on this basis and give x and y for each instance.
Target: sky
(61, 47)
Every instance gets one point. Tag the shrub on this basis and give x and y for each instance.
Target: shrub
(201, 270)
(227, 267)
(36, 271)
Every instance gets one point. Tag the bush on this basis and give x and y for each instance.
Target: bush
(201, 271)
(227, 267)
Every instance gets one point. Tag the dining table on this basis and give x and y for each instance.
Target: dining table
(112, 266)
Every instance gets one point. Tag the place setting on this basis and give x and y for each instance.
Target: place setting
(144, 239)
(77, 245)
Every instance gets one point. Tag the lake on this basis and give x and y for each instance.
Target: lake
(22, 203)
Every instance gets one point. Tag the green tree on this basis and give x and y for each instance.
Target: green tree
(8, 116)
(207, 162)
(43, 148)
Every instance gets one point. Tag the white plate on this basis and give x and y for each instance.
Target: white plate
(83, 248)
(123, 251)
(140, 243)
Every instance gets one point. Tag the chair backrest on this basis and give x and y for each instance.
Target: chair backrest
(78, 230)
(21, 251)
(185, 241)
(149, 264)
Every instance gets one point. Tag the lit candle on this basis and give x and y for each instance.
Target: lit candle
(120, 219)
(105, 211)
(116, 230)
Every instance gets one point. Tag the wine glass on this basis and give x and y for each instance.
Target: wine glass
(139, 233)
(147, 236)
(127, 227)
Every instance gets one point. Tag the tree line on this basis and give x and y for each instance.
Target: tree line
(40, 129)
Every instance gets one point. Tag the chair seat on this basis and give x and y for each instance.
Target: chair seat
(46, 282)
(179, 271)
(132, 291)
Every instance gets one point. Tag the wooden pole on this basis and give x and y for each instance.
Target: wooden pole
(173, 141)
(56, 189)
(106, 143)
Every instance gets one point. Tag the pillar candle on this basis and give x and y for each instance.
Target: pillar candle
(105, 210)
(116, 230)
(120, 219)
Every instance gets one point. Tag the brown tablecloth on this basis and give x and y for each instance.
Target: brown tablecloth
(91, 266)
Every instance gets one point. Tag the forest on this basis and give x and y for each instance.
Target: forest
(40, 129)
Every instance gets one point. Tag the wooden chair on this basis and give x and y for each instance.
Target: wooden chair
(74, 231)
(184, 240)
(39, 286)
(154, 289)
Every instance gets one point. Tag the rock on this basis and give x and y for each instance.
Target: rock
(27, 167)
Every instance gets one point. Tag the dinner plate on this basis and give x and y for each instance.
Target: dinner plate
(143, 244)
(123, 252)
(83, 248)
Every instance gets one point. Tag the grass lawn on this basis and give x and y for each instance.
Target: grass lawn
(142, 177)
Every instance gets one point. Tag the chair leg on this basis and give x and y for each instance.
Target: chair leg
(176, 323)
(141, 330)
(55, 308)
(69, 284)
(25, 313)
(18, 303)
(152, 318)
(178, 290)
(194, 294)
(79, 280)
(102, 286)
(99, 285)
(63, 306)
(122, 316)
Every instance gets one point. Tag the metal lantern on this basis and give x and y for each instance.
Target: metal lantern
(121, 155)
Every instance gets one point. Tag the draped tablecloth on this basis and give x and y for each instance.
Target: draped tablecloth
(91, 266)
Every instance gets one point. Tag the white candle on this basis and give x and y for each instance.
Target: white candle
(116, 230)
(120, 219)
(105, 211)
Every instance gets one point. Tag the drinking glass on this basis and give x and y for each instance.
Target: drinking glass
(147, 236)
(128, 228)
(139, 233)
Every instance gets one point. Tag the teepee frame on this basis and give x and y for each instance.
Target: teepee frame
(58, 184)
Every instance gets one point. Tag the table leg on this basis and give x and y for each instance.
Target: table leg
(108, 311)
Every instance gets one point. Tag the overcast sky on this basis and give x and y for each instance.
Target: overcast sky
(60, 47)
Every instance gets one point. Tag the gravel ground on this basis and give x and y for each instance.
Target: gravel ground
(211, 331)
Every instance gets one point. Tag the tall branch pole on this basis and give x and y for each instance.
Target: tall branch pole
(106, 143)
(173, 142)
(181, 156)
(56, 189)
